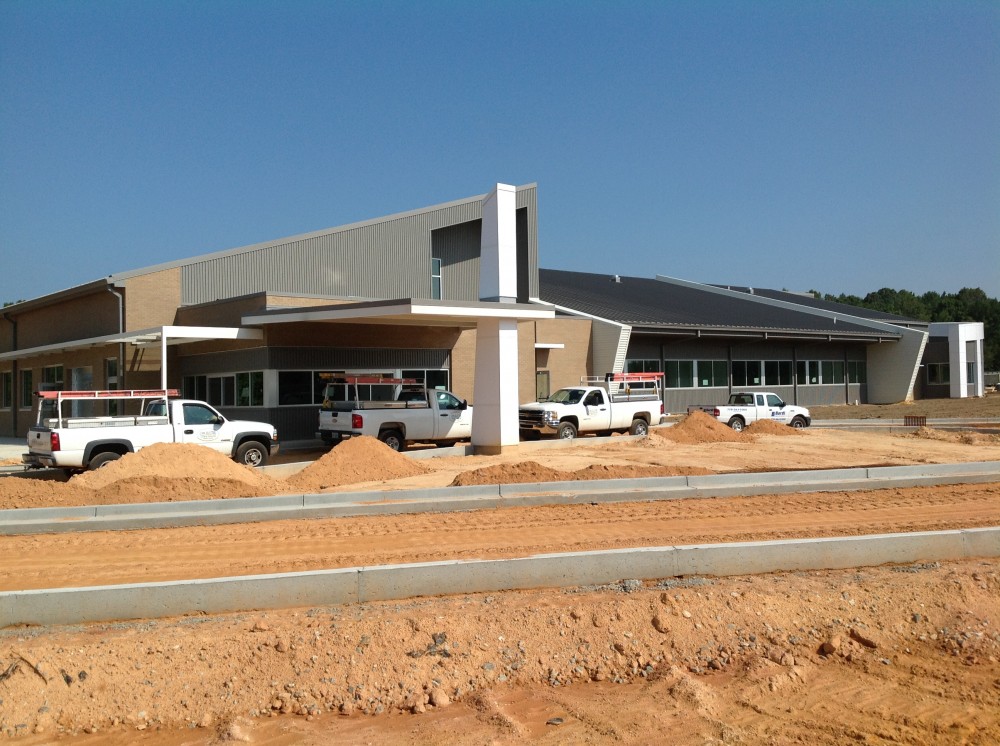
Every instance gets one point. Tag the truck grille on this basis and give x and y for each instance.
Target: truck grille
(530, 418)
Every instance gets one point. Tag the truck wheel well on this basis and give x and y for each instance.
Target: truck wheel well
(112, 446)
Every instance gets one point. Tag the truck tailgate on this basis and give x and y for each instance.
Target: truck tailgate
(38, 440)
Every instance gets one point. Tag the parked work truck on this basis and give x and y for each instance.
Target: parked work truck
(746, 407)
(75, 441)
(618, 402)
(397, 411)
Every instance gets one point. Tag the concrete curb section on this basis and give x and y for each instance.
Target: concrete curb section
(396, 582)
(451, 499)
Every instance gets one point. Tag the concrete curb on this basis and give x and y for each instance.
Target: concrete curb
(395, 582)
(451, 499)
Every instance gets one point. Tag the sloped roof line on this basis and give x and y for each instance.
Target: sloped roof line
(118, 276)
(787, 305)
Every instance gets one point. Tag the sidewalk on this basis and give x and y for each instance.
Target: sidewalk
(12, 447)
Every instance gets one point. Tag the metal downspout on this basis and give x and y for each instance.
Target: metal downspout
(121, 345)
(13, 373)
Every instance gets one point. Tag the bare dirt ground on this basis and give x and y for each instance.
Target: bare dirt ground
(873, 655)
(969, 409)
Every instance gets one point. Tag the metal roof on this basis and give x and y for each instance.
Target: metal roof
(667, 306)
(807, 299)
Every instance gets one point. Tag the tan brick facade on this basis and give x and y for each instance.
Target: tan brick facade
(152, 299)
(565, 365)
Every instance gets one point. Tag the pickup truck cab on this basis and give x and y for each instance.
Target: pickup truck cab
(414, 414)
(626, 403)
(90, 442)
(746, 407)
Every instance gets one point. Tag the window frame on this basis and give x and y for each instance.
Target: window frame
(6, 389)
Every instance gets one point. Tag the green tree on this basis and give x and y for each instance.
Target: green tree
(968, 304)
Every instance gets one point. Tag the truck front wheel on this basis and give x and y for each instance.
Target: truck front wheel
(639, 427)
(567, 430)
(737, 424)
(798, 423)
(393, 439)
(252, 453)
(103, 459)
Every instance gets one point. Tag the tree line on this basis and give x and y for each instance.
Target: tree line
(968, 304)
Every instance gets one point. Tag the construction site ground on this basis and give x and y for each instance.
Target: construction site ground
(872, 655)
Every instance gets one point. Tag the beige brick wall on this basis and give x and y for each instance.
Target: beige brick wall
(152, 299)
(221, 313)
(360, 335)
(565, 366)
(92, 315)
(463, 365)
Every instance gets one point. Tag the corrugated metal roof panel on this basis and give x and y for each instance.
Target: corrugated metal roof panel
(651, 303)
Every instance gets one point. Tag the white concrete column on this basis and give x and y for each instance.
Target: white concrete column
(494, 423)
(498, 248)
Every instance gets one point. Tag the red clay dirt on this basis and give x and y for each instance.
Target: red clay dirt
(874, 655)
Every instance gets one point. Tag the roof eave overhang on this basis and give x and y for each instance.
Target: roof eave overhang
(405, 312)
(152, 337)
(78, 291)
(765, 334)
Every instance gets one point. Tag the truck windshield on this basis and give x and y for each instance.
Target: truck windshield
(567, 396)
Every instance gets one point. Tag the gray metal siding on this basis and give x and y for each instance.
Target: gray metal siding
(458, 248)
(382, 259)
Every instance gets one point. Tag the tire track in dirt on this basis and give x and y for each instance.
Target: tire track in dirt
(99, 558)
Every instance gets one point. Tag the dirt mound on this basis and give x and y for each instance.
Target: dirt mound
(700, 427)
(520, 473)
(770, 427)
(634, 471)
(156, 465)
(21, 491)
(361, 459)
(971, 439)
(532, 471)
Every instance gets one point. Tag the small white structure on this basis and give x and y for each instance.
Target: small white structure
(965, 356)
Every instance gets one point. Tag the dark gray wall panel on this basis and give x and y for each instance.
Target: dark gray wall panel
(319, 358)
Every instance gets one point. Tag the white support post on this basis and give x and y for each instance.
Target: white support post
(163, 359)
(495, 425)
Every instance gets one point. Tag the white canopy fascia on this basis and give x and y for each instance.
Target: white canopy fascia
(156, 336)
(427, 313)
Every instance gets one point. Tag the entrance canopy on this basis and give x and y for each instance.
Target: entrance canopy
(157, 336)
(407, 311)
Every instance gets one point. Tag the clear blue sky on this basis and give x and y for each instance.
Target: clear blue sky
(838, 146)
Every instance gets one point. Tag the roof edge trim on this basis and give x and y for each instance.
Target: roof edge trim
(302, 236)
(787, 305)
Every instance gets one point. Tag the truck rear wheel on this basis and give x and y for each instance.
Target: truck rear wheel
(737, 424)
(393, 439)
(567, 430)
(252, 453)
(639, 427)
(103, 459)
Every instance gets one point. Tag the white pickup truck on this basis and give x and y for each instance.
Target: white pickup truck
(747, 407)
(623, 402)
(89, 442)
(406, 413)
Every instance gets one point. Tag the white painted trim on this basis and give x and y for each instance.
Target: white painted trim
(388, 313)
(141, 338)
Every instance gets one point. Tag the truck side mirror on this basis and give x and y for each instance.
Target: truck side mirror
(465, 404)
